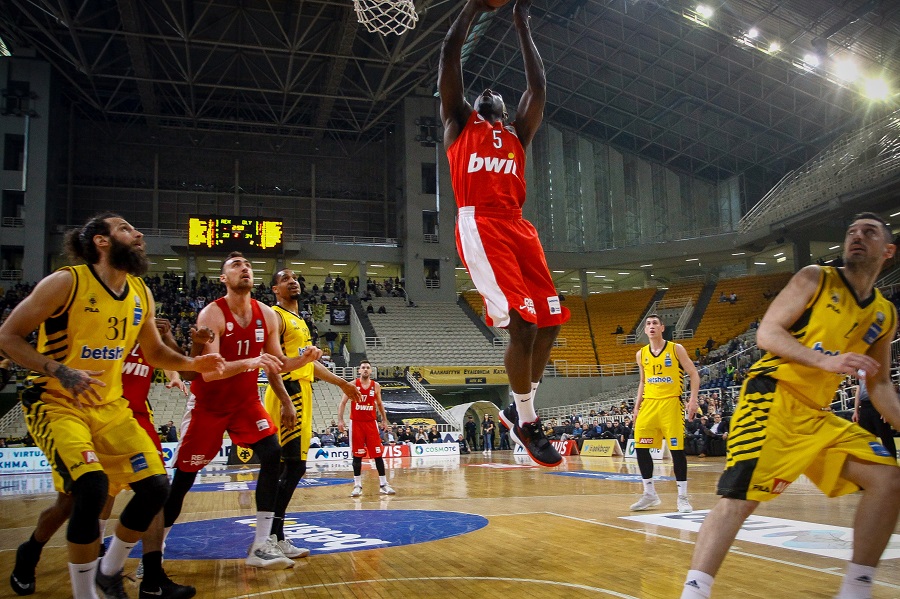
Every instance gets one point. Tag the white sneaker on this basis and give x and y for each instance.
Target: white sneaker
(290, 550)
(387, 490)
(684, 505)
(646, 502)
(356, 492)
(267, 555)
(139, 573)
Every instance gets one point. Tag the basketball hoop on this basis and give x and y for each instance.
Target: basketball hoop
(386, 16)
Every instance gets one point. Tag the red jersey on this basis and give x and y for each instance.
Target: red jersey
(136, 378)
(236, 343)
(487, 165)
(364, 410)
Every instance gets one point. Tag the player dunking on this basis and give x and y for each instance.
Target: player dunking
(658, 410)
(295, 338)
(826, 323)
(246, 332)
(365, 409)
(90, 316)
(500, 249)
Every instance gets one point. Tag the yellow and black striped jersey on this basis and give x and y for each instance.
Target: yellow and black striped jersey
(294, 336)
(94, 330)
(663, 373)
(834, 322)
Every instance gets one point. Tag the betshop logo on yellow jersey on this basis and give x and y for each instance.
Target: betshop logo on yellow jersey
(817, 346)
(102, 353)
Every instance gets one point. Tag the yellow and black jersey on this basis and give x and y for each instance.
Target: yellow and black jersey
(294, 336)
(94, 330)
(663, 373)
(834, 322)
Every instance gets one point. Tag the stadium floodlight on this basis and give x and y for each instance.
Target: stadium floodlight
(876, 89)
(704, 11)
(753, 33)
(846, 70)
(811, 60)
(774, 47)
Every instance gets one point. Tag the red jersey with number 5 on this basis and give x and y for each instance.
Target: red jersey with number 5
(236, 343)
(364, 410)
(487, 165)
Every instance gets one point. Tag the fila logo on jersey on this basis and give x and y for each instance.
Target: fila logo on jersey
(492, 164)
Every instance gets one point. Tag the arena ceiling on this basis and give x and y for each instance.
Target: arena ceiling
(647, 76)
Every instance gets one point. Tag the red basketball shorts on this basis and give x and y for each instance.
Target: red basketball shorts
(364, 434)
(505, 259)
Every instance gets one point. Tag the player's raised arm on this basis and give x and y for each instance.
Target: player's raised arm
(455, 110)
(162, 356)
(530, 112)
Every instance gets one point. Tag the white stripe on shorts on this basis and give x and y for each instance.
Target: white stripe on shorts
(480, 267)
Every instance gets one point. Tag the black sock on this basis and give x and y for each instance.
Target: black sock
(278, 528)
(152, 568)
(30, 553)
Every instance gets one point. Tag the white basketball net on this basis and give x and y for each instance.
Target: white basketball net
(386, 16)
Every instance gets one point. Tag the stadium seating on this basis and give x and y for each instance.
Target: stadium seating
(607, 310)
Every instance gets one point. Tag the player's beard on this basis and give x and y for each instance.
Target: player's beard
(129, 258)
(295, 296)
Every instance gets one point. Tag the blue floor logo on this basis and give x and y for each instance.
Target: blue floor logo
(616, 476)
(250, 485)
(321, 532)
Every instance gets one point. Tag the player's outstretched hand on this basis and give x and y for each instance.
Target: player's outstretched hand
(178, 384)
(271, 364)
(80, 383)
(163, 326)
(208, 363)
(310, 353)
(288, 416)
(202, 336)
(850, 363)
(351, 391)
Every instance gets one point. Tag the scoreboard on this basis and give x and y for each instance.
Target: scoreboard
(231, 233)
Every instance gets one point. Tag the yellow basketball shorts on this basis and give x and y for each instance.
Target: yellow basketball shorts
(300, 393)
(660, 419)
(104, 438)
(775, 437)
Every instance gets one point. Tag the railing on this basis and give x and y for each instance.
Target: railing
(563, 368)
(626, 339)
(685, 334)
(432, 401)
(504, 341)
(861, 160)
(11, 275)
(12, 417)
(375, 342)
(675, 302)
(12, 221)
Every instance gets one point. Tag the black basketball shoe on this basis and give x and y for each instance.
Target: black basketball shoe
(111, 586)
(531, 437)
(167, 589)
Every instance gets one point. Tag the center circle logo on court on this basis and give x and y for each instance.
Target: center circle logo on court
(321, 532)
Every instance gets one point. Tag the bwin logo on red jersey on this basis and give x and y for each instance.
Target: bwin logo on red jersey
(492, 164)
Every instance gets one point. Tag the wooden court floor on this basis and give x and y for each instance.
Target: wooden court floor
(546, 535)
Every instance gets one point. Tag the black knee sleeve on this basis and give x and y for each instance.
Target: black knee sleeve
(645, 461)
(150, 495)
(357, 466)
(269, 452)
(379, 466)
(679, 464)
(89, 496)
(181, 484)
